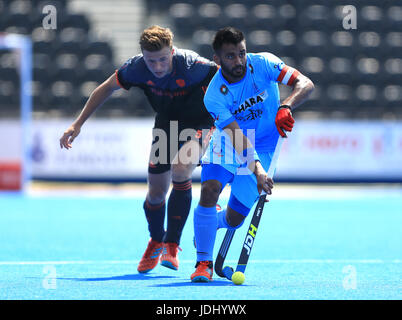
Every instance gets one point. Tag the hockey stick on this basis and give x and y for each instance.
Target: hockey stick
(251, 233)
(220, 258)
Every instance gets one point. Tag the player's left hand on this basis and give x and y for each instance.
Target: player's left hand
(284, 120)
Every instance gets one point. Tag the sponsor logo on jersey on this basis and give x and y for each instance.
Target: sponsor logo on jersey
(250, 102)
(250, 114)
(167, 93)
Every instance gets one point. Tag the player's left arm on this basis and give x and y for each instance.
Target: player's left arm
(302, 88)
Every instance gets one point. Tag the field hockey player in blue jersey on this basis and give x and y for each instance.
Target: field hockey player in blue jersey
(243, 98)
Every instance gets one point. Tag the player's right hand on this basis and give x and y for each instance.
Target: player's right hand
(263, 181)
(68, 137)
(266, 184)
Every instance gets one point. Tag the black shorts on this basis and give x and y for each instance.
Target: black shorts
(169, 136)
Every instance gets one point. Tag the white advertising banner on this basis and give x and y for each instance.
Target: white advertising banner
(349, 150)
(316, 150)
(104, 150)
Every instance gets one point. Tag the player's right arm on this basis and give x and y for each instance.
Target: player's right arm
(96, 99)
(216, 104)
(224, 120)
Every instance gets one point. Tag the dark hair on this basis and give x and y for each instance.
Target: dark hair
(227, 35)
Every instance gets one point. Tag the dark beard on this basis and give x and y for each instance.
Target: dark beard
(232, 72)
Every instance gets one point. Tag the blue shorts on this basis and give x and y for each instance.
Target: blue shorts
(243, 187)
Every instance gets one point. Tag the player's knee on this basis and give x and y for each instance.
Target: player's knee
(236, 212)
(235, 220)
(181, 172)
(210, 191)
(156, 194)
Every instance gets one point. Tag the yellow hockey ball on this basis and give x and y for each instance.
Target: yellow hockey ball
(238, 277)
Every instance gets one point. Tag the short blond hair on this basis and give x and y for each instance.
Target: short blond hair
(156, 38)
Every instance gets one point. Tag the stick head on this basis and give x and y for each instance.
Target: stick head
(228, 272)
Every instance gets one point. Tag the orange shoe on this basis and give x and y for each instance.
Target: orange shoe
(151, 256)
(169, 257)
(203, 272)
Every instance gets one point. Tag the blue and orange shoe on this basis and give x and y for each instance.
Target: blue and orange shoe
(151, 256)
(169, 257)
(203, 272)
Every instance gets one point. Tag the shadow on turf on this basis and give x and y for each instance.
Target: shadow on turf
(214, 283)
(138, 276)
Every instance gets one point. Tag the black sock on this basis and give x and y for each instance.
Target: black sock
(155, 215)
(179, 205)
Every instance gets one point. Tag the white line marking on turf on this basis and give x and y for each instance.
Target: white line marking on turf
(272, 261)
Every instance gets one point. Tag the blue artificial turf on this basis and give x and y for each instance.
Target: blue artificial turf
(88, 248)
